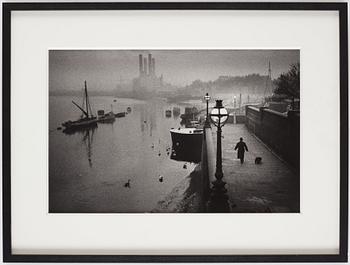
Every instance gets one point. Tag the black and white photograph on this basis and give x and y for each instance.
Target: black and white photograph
(174, 131)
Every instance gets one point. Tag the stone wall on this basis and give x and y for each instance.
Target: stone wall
(279, 131)
(240, 118)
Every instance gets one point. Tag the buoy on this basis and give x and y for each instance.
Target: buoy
(160, 178)
(185, 166)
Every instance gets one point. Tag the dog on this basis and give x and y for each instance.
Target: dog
(258, 160)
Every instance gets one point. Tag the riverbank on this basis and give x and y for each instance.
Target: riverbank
(186, 197)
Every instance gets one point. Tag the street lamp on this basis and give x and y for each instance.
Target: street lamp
(234, 109)
(207, 122)
(218, 201)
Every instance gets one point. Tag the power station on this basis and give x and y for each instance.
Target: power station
(147, 81)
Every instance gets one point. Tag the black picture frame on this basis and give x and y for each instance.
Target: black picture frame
(341, 8)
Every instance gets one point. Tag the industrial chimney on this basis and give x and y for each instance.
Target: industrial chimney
(153, 66)
(150, 71)
(145, 66)
(140, 64)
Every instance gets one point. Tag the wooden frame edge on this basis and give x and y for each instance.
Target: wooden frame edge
(6, 71)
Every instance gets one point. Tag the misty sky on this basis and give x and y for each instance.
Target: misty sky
(104, 68)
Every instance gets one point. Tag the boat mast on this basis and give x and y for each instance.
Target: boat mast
(86, 99)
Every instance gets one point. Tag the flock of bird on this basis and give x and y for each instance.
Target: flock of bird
(160, 177)
(127, 184)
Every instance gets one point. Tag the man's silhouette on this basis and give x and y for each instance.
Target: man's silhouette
(242, 147)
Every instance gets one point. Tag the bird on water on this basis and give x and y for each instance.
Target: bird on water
(127, 184)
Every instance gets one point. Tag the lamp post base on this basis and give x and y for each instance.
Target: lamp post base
(218, 201)
(207, 123)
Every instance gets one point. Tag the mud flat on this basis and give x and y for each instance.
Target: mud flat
(186, 197)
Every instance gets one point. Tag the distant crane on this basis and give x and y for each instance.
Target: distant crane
(268, 85)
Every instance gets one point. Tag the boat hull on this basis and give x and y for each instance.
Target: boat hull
(187, 144)
(107, 118)
(120, 114)
(80, 124)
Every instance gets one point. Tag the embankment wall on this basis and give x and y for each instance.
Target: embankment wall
(279, 131)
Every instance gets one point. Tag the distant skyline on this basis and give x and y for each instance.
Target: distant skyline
(104, 69)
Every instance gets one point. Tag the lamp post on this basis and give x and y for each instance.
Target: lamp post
(207, 122)
(219, 200)
(234, 109)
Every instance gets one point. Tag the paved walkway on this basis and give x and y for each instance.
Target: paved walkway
(269, 187)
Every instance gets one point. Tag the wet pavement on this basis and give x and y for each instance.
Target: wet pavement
(271, 186)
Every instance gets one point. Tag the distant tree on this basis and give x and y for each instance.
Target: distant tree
(288, 84)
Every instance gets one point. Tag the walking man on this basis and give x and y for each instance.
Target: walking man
(242, 147)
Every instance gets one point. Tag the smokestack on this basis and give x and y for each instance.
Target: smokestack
(140, 64)
(145, 66)
(154, 66)
(150, 64)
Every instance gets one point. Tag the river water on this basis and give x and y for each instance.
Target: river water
(88, 170)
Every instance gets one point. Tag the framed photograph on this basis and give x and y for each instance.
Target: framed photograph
(175, 132)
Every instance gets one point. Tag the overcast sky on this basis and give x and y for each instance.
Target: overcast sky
(104, 68)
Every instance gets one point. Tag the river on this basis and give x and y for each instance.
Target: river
(88, 170)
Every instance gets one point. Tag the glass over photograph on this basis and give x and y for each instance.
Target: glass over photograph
(174, 131)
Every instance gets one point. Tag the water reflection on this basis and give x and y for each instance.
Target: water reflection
(87, 134)
(88, 141)
(88, 168)
(79, 130)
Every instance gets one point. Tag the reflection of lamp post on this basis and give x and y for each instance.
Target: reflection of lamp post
(207, 122)
(218, 201)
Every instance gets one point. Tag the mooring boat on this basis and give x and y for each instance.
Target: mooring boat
(176, 111)
(120, 114)
(168, 113)
(187, 144)
(87, 120)
(105, 117)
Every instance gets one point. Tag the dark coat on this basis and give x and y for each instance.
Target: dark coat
(242, 147)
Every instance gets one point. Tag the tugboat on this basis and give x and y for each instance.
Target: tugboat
(176, 111)
(187, 144)
(106, 117)
(87, 120)
(190, 113)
